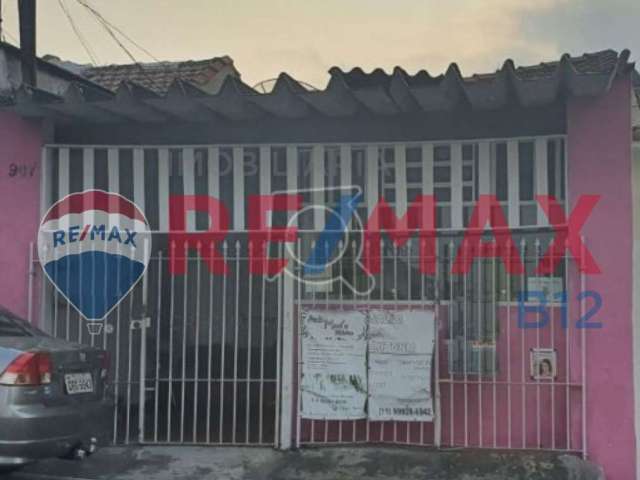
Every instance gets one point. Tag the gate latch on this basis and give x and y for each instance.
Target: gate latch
(140, 323)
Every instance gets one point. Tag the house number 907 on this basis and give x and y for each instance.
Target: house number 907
(21, 170)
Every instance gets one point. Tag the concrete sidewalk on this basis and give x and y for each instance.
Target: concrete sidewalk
(372, 463)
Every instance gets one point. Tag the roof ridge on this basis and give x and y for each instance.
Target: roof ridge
(224, 59)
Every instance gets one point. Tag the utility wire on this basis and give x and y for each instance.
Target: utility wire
(83, 41)
(109, 28)
(107, 23)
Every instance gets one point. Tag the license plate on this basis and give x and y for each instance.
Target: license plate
(78, 383)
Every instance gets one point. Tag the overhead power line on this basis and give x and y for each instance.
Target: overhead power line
(83, 41)
(111, 31)
(110, 26)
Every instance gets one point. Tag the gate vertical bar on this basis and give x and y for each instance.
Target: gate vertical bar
(223, 343)
(172, 307)
(249, 346)
(451, 347)
(47, 293)
(139, 183)
(510, 254)
(479, 298)
(523, 390)
(236, 317)
(158, 325)
(567, 336)
(196, 373)
(265, 188)
(183, 380)
(143, 348)
(299, 349)
(583, 342)
(130, 328)
(31, 274)
(287, 320)
(279, 316)
(116, 379)
(494, 358)
(210, 351)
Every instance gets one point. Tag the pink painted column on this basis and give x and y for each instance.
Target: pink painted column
(599, 162)
(20, 146)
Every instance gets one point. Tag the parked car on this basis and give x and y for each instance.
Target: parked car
(54, 399)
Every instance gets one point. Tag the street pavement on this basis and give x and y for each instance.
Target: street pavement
(370, 462)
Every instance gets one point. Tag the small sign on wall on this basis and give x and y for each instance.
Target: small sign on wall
(544, 365)
(334, 369)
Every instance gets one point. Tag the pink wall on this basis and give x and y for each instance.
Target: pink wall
(20, 145)
(599, 147)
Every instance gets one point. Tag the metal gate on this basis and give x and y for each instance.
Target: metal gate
(195, 358)
(485, 392)
(208, 359)
(198, 358)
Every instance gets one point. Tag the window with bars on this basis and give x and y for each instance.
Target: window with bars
(526, 183)
(332, 176)
(556, 169)
(415, 176)
(469, 181)
(442, 185)
(279, 181)
(358, 178)
(500, 177)
(387, 182)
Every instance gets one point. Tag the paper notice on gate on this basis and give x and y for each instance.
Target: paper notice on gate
(401, 345)
(334, 371)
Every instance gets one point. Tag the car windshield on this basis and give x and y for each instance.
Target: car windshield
(13, 326)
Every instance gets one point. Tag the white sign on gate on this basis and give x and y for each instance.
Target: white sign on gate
(334, 371)
(401, 345)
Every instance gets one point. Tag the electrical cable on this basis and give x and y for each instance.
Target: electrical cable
(106, 23)
(109, 28)
(83, 41)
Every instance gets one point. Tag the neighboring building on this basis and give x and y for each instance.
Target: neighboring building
(220, 357)
(206, 75)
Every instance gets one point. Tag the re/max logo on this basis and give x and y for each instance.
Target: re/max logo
(78, 233)
(419, 221)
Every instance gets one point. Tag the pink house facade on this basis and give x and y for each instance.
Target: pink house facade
(563, 129)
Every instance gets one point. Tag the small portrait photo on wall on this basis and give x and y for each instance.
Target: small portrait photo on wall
(543, 364)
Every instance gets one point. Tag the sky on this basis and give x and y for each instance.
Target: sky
(307, 37)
